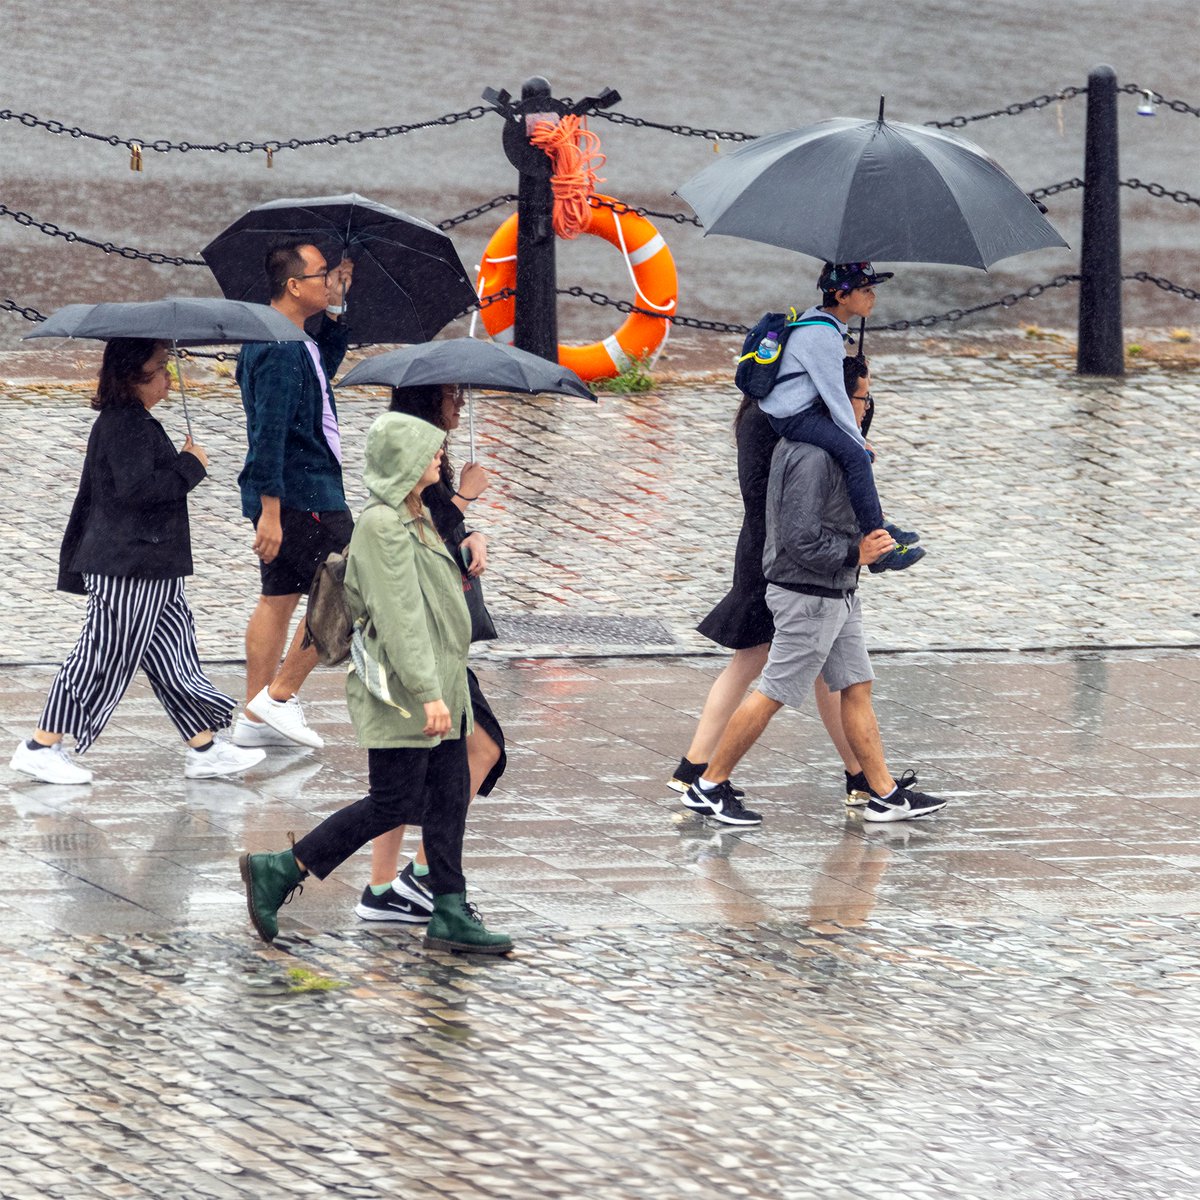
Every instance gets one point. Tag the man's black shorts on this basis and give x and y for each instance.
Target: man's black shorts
(307, 539)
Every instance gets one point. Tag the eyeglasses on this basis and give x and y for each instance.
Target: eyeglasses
(868, 400)
(313, 275)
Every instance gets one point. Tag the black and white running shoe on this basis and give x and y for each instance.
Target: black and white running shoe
(858, 790)
(687, 773)
(407, 901)
(904, 804)
(721, 803)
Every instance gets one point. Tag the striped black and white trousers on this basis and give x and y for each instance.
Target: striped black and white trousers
(133, 623)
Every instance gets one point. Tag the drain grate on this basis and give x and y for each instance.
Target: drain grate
(539, 630)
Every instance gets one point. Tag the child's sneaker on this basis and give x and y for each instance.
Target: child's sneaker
(898, 559)
(906, 537)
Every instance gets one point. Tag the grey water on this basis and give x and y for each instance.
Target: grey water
(216, 70)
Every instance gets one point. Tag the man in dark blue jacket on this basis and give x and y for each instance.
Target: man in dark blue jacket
(291, 484)
(811, 558)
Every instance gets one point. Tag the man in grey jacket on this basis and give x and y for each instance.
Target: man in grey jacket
(812, 557)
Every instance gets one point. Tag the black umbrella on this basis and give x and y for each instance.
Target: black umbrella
(848, 190)
(408, 279)
(468, 362)
(180, 320)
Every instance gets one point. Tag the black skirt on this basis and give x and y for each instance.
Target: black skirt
(486, 720)
(742, 619)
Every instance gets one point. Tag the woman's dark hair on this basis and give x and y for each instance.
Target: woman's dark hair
(854, 369)
(120, 370)
(425, 403)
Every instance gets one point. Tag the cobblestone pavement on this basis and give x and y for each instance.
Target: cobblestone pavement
(1054, 510)
(1000, 1001)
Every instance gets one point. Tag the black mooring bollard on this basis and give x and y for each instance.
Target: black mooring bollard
(1101, 334)
(536, 325)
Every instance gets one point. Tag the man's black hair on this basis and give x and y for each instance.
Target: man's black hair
(283, 262)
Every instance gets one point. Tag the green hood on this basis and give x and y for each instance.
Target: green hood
(399, 448)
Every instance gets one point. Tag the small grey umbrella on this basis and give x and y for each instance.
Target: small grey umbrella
(470, 363)
(180, 320)
(848, 190)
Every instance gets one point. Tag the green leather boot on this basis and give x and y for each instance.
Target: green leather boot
(456, 925)
(270, 880)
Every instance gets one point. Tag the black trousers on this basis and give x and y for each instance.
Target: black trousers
(429, 788)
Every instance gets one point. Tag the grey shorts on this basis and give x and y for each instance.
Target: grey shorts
(814, 635)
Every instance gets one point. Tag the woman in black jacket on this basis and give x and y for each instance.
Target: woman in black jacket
(404, 897)
(128, 548)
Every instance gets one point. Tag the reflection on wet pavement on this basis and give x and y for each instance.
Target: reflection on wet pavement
(997, 1001)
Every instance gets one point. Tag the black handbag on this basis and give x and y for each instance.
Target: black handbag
(482, 627)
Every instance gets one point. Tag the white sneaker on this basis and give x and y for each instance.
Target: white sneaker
(223, 759)
(51, 765)
(286, 717)
(257, 733)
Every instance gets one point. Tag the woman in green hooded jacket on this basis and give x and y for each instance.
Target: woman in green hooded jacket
(407, 697)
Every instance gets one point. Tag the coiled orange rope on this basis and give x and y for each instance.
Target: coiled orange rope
(575, 152)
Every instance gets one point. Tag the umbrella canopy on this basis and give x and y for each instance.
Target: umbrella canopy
(408, 279)
(468, 362)
(848, 190)
(182, 320)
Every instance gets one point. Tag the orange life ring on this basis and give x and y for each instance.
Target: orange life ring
(655, 282)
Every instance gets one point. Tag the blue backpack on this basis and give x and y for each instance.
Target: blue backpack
(758, 364)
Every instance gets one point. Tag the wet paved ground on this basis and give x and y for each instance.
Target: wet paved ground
(998, 1002)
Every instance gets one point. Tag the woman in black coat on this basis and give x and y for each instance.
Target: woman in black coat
(128, 548)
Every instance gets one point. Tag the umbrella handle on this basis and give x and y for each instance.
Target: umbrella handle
(187, 417)
(471, 422)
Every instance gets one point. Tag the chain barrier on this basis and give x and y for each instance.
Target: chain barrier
(1011, 110)
(1178, 106)
(1067, 185)
(477, 211)
(138, 146)
(69, 235)
(1157, 189)
(619, 206)
(30, 314)
(1165, 284)
(709, 135)
(954, 314)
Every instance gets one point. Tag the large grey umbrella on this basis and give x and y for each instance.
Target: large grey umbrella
(849, 190)
(469, 362)
(180, 320)
(408, 278)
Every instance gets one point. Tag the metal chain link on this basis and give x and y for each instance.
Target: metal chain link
(709, 135)
(69, 235)
(1178, 106)
(30, 314)
(477, 211)
(619, 206)
(1067, 185)
(954, 314)
(273, 146)
(1165, 284)
(1157, 189)
(1011, 110)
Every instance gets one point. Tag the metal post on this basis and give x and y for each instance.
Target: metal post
(1101, 335)
(536, 326)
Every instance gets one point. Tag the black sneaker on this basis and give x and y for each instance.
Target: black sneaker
(898, 559)
(721, 803)
(906, 537)
(858, 790)
(407, 901)
(903, 804)
(687, 773)
(407, 884)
